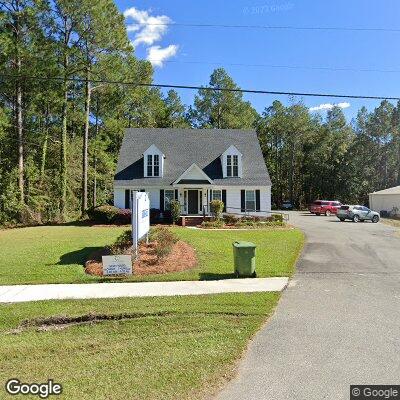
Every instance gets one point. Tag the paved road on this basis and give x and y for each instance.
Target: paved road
(337, 324)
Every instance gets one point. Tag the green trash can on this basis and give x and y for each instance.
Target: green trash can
(244, 255)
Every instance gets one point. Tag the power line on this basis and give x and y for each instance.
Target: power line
(345, 69)
(277, 27)
(207, 88)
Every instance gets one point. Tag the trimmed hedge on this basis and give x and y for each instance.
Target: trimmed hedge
(110, 215)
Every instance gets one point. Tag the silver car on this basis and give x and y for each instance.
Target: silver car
(357, 214)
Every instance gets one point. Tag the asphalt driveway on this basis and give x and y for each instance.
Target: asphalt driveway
(337, 324)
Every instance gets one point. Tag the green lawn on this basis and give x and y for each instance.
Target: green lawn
(175, 348)
(55, 254)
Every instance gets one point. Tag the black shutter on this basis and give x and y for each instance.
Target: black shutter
(176, 194)
(127, 195)
(161, 199)
(242, 200)
(210, 194)
(224, 199)
(257, 200)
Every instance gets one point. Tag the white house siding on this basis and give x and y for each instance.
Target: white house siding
(154, 196)
(119, 198)
(233, 197)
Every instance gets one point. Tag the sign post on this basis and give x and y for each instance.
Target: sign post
(140, 206)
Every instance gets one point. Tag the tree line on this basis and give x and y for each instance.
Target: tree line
(61, 123)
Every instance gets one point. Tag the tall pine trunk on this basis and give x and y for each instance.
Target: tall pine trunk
(63, 163)
(18, 105)
(85, 144)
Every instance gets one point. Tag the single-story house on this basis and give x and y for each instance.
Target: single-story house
(194, 166)
(386, 200)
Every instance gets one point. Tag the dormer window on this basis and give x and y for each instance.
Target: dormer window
(231, 161)
(153, 162)
(153, 165)
(232, 165)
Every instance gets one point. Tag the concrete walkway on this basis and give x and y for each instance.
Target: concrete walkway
(21, 293)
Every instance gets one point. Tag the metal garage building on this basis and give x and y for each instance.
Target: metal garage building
(386, 200)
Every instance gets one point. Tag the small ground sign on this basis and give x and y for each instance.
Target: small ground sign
(117, 265)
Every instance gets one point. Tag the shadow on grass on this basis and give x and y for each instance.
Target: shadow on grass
(78, 256)
(211, 276)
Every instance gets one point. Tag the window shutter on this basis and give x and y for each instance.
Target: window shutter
(161, 199)
(210, 194)
(127, 195)
(242, 200)
(176, 194)
(257, 200)
(224, 199)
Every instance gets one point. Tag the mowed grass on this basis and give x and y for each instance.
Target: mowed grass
(56, 254)
(50, 254)
(176, 348)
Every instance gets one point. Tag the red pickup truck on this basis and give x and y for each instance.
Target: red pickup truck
(326, 207)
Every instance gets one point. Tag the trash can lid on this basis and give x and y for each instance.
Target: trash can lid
(244, 244)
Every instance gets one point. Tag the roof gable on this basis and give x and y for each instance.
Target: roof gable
(193, 173)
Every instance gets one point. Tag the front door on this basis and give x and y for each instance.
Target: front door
(193, 201)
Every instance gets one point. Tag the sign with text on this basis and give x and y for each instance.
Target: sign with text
(117, 265)
(140, 216)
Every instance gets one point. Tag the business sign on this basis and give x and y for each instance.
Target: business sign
(140, 216)
(117, 265)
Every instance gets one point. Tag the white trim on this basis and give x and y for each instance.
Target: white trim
(194, 165)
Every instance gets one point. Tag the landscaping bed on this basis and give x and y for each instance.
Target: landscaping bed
(230, 221)
(163, 254)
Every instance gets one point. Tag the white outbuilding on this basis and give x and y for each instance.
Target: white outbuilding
(386, 200)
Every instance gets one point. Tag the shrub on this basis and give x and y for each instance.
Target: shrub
(213, 224)
(216, 208)
(277, 217)
(122, 243)
(231, 219)
(107, 214)
(164, 239)
(154, 215)
(175, 210)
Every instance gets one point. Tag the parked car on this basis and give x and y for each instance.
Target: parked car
(357, 214)
(287, 205)
(326, 207)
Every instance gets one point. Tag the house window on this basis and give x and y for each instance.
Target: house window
(156, 165)
(149, 165)
(153, 165)
(235, 165)
(217, 194)
(232, 165)
(250, 200)
(169, 196)
(228, 165)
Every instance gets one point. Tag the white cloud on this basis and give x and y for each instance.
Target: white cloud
(329, 106)
(157, 55)
(149, 29)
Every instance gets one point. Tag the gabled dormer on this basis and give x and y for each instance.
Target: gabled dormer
(231, 161)
(153, 162)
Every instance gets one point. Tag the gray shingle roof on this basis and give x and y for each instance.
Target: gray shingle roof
(182, 148)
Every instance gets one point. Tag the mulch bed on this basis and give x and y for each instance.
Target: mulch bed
(181, 258)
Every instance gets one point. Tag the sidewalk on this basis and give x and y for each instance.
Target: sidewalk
(21, 293)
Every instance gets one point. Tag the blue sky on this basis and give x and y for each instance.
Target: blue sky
(189, 53)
